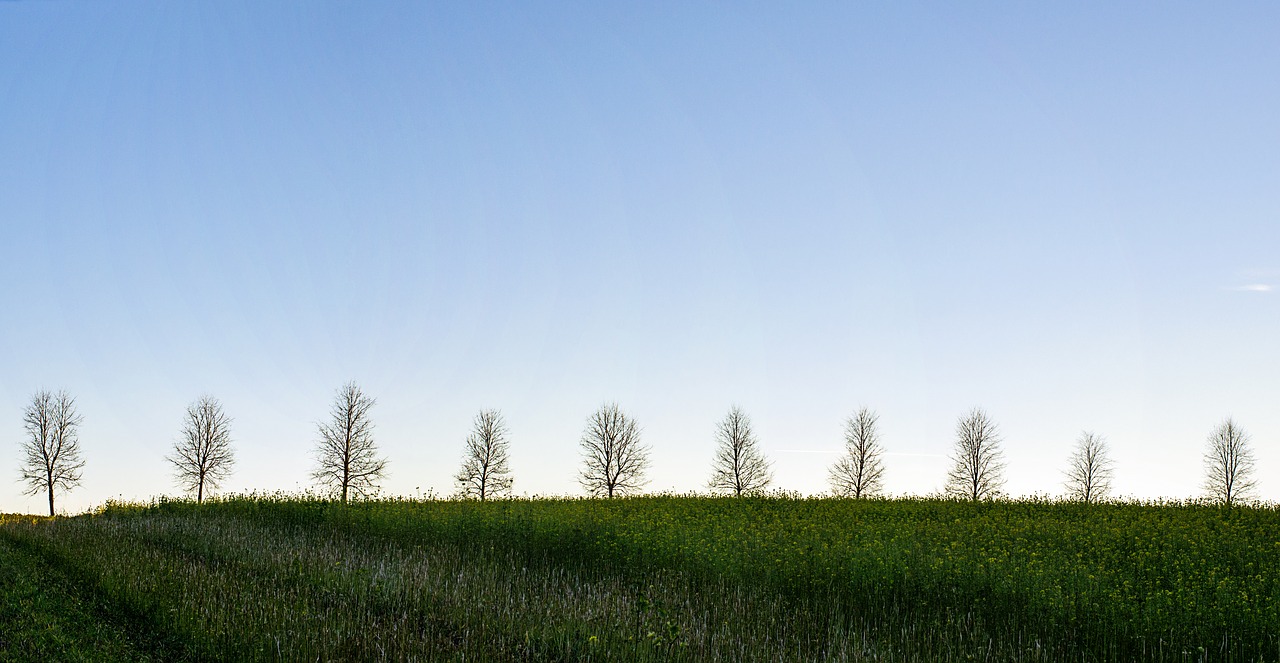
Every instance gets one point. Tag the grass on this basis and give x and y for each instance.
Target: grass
(652, 578)
(45, 619)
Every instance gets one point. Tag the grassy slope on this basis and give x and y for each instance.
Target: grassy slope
(43, 618)
(661, 578)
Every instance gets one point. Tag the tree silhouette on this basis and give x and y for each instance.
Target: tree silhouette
(51, 451)
(203, 456)
(978, 468)
(614, 461)
(485, 471)
(347, 458)
(860, 470)
(1089, 470)
(1229, 464)
(739, 466)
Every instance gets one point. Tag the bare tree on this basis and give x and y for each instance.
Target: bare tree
(978, 470)
(347, 458)
(739, 465)
(860, 471)
(1089, 470)
(1229, 464)
(485, 471)
(203, 456)
(614, 461)
(51, 452)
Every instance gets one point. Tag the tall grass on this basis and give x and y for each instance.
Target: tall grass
(679, 578)
(42, 618)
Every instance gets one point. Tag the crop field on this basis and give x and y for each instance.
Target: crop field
(648, 579)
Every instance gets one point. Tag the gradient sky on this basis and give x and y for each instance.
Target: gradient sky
(1068, 215)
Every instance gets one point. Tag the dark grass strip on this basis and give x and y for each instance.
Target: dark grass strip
(45, 616)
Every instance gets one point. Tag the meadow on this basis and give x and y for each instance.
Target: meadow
(656, 578)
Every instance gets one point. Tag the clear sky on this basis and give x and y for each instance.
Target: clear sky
(1068, 215)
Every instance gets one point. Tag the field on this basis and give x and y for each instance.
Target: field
(650, 578)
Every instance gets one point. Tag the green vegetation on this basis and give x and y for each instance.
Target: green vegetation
(42, 618)
(650, 578)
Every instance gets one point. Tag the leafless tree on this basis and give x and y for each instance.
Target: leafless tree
(978, 470)
(51, 452)
(860, 471)
(347, 458)
(739, 465)
(485, 471)
(614, 460)
(203, 456)
(1229, 464)
(1089, 470)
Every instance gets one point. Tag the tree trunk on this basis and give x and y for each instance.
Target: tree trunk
(50, 499)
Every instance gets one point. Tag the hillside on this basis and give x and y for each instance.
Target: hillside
(651, 578)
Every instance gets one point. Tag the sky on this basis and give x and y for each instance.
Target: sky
(1068, 215)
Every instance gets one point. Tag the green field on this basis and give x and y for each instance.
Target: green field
(650, 578)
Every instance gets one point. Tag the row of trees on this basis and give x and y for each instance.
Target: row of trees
(977, 462)
(614, 460)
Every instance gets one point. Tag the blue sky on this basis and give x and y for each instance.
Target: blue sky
(1067, 215)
